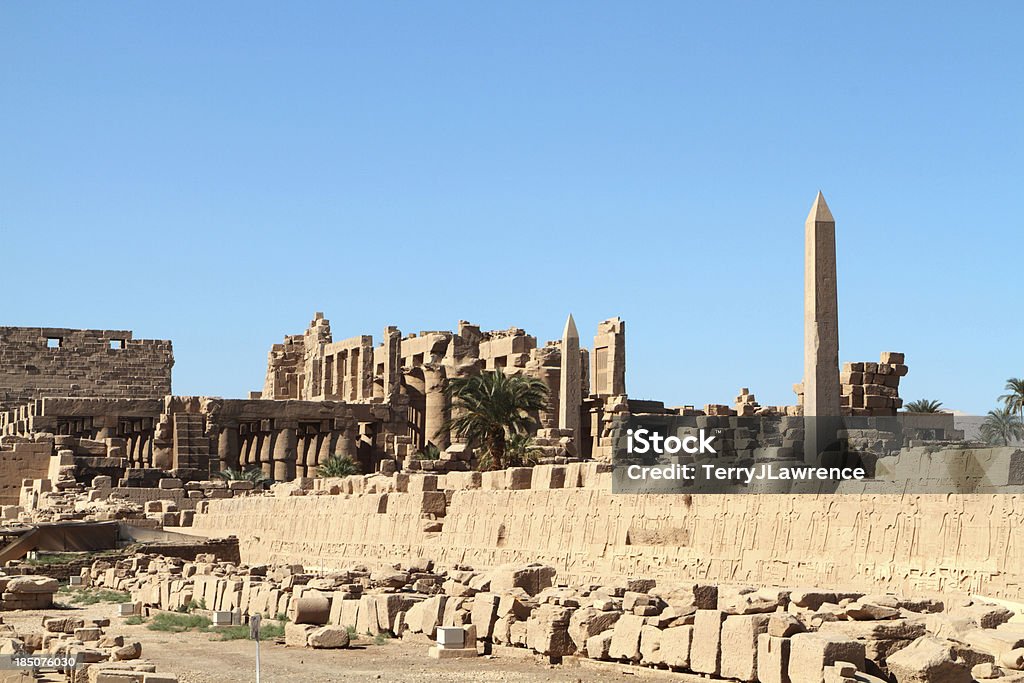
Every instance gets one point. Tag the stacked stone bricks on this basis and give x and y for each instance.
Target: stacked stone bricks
(37, 362)
(746, 403)
(872, 389)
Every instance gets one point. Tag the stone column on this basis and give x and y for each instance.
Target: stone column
(821, 330)
(569, 398)
(323, 448)
(285, 450)
(345, 443)
(392, 361)
(266, 450)
(108, 428)
(436, 407)
(227, 448)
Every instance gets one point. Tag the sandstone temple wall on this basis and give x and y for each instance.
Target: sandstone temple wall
(20, 461)
(912, 543)
(37, 362)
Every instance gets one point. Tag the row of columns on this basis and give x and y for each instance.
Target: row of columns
(284, 449)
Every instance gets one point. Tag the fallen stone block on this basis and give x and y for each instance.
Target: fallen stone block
(297, 635)
(927, 660)
(328, 637)
(751, 601)
(548, 631)
(436, 652)
(650, 645)
(773, 659)
(532, 578)
(484, 614)
(625, 642)
(812, 598)
(784, 625)
(598, 646)
(128, 651)
(312, 608)
(587, 622)
(518, 478)
(739, 645)
(706, 651)
(810, 653)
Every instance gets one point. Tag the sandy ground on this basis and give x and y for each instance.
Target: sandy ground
(202, 658)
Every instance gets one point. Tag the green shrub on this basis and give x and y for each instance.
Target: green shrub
(338, 466)
(178, 623)
(269, 630)
(93, 596)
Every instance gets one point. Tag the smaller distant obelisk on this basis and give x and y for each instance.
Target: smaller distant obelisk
(569, 399)
(821, 331)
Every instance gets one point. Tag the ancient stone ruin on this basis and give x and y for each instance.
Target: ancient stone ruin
(915, 573)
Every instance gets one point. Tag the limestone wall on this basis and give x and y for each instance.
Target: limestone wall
(923, 543)
(22, 461)
(36, 362)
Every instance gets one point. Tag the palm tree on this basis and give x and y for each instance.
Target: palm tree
(492, 406)
(1002, 427)
(923, 406)
(1014, 398)
(253, 474)
(520, 451)
(338, 466)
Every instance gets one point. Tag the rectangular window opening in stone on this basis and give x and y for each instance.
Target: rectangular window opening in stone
(117, 344)
(53, 342)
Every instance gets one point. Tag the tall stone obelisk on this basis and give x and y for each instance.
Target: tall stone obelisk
(569, 398)
(821, 330)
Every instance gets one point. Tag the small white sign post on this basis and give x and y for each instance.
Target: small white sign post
(254, 633)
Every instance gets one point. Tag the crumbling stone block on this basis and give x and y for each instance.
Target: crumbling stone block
(706, 650)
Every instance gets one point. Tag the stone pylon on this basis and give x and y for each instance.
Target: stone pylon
(821, 329)
(569, 398)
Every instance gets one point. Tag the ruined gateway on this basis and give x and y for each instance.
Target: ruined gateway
(545, 557)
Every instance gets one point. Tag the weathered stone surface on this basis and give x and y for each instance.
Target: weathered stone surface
(426, 616)
(894, 629)
(749, 601)
(297, 635)
(811, 598)
(981, 615)
(532, 578)
(328, 637)
(927, 660)
(650, 645)
(1013, 659)
(587, 622)
(864, 611)
(706, 651)
(739, 645)
(675, 646)
(32, 584)
(131, 650)
(987, 671)
(598, 647)
(625, 642)
(810, 653)
(312, 608)
(484, 614)
(784, 625)
(772, 659)
(548, 631)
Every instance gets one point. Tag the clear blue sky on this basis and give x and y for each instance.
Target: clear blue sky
(214, 173)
